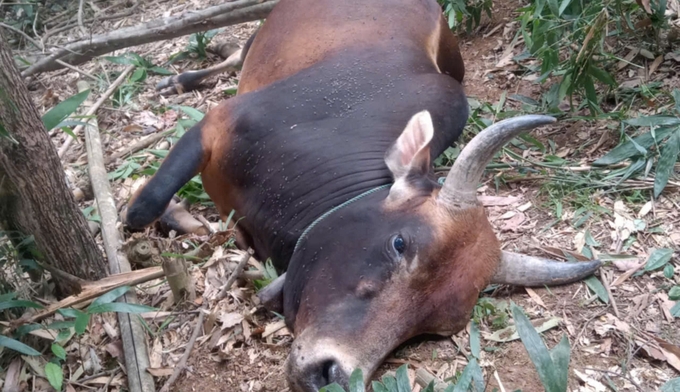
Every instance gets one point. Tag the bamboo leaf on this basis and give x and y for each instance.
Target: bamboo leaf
(17, 346)
(596, 286)
(120, 307)
(667, 159)
(110, 296)
(537, 350)
(64, 109)
(658, 258)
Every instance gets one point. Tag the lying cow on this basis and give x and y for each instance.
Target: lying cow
(326, 156)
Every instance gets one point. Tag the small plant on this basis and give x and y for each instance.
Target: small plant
(128, 90)
(467, 13)
(196, 48)
(66, 329)
(658, 148)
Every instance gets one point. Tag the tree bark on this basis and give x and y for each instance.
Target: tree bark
(34, 197)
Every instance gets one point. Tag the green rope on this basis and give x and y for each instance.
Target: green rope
(334, 209)
(345, 204)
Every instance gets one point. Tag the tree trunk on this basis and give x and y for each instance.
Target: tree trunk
(34, 197)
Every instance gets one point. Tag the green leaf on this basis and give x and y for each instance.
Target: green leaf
(475, 343)
(123, 60)
(58, 351)
(465, 379)
(403, 384)
(671, 386)
(81, 323)
(17, 346)
(675, 310)
(120, 307)
(378, 387)
(194, 114)
(139, 75)
(7, 297)
(627, 150)
(669, 271)
(332, 388)
(356, 381)
(110, 296)
(64, 109)
(667, 159)
(602, 75)
(658, 259)
(390, 383)
(560, 357)
(54, 375)
(674, 293)
(160, 71)
(428, 388)
(653, 121)
(596, 286)
(19, 304)
(563, 6)
(537, 350)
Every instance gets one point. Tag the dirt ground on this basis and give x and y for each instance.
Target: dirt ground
(244, 348)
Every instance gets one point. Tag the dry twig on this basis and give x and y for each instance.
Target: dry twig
(235, 274)
(93, 109)
(183, 362)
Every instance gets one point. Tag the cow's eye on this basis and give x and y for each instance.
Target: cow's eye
(399, 244)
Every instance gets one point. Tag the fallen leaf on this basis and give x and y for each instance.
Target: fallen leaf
(273, 327)
(156, 354)
(591, 382)
(229, 320)
(509, 334)
(514, 223)
(115, 349)
(627, 265)
(495, 201)
(535, 297)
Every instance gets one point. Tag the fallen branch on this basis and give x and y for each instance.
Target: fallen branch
(226, 14)
(93, 109)
(131, 330)
(92, 290)
(183, 362)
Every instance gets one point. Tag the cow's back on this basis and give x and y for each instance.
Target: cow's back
(299, 33)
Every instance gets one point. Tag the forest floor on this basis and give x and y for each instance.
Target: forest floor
(243, 348)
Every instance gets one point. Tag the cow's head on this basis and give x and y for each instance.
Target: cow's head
(404, 261)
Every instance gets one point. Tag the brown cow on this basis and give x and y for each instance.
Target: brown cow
(325, 155)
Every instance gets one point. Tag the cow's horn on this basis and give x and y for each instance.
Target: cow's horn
(523, 270)
(460, 188)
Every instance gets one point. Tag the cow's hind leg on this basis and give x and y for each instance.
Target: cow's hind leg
(190, 80)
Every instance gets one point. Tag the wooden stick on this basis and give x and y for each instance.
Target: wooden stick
(180, 281)
(235, 274)
(146, 142)
(131, 330)
(183, 362)
(93, 109)
(424, 378)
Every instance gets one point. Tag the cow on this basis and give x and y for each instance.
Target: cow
(325, 155)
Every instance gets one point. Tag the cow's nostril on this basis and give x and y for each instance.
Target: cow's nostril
(333, 373)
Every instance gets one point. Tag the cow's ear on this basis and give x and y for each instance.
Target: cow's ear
(410, 154)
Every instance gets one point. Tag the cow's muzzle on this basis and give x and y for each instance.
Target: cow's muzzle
(313, 365)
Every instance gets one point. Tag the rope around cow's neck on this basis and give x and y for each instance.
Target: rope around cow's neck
(345, 204)
(334, 209)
